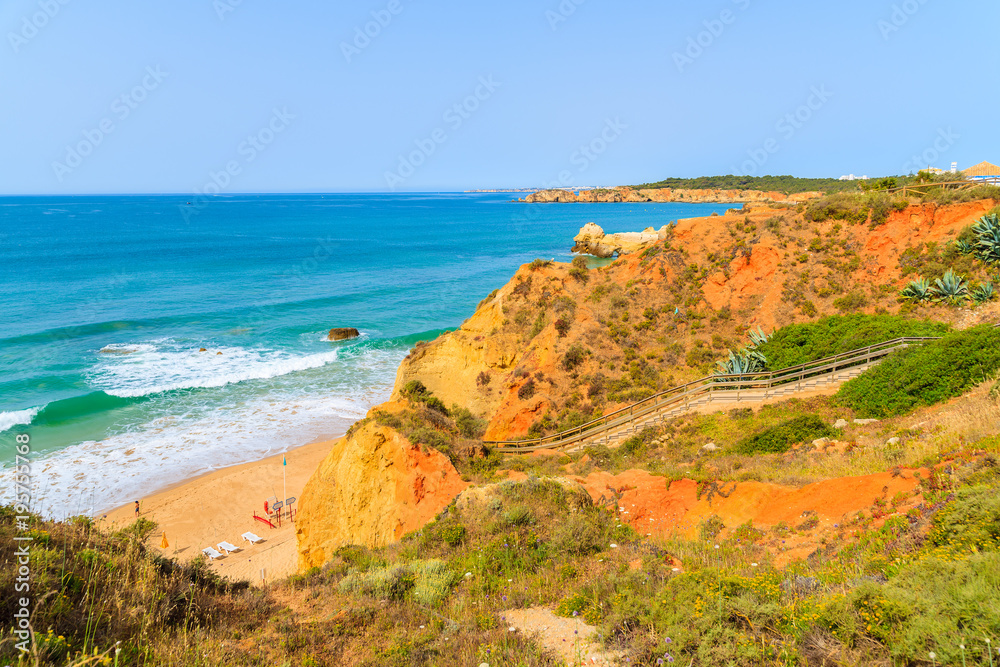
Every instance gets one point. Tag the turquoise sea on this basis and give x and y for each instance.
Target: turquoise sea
(107, 301)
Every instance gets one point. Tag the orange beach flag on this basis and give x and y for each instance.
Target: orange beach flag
(163, 543)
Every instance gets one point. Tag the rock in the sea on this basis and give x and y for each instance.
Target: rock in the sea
(593, 241)
(343, 333)
(372, 488)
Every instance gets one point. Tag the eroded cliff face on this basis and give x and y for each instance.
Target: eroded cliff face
(373, 487)
(555, 344)
(704, 196)
(669, 299)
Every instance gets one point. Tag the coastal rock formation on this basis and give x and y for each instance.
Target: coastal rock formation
(343, 333)
(509, 362)
(373, 488)
(593, 241)
(551, 197)
(663, 195)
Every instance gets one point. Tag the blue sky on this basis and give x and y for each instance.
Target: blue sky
(249, 96)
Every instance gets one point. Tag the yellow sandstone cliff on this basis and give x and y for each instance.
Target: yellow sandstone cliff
(371, 489)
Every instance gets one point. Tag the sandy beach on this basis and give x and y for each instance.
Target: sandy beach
(219, 506)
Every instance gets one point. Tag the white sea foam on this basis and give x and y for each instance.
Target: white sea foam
(9, 420)
(97, 476)
(141, 370)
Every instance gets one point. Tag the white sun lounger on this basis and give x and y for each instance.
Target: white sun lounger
(251, 538)
(211, 553)
(228, 548)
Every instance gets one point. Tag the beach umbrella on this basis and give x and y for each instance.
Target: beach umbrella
(163, 543)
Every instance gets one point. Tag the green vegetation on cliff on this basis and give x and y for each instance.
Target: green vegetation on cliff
(786, 184)
(925, 374)
(801, 343)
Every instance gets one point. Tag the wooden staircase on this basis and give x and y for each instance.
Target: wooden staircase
(617, 426)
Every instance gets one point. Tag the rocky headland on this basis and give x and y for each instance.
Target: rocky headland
(664, 195)
(557, 341)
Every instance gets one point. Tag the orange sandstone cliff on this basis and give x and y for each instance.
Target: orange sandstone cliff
(558, 343)
(373, 488)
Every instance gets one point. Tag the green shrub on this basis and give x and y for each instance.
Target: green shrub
(418, 393)
(925, 374)
(385, 583)
(970, 523)
(469, 425)
(851, 302)
(527, 390)
(574, 356)
(800, 343)
(452, 534)
(780, 438)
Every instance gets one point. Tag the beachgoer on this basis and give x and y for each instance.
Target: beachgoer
(137, 509)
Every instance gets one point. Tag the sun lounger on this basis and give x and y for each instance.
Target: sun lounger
(211, 553)
(228, 548)
(251, 538)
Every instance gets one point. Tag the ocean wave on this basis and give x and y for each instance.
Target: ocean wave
(168, 366)
(100, 475)
(9, 420)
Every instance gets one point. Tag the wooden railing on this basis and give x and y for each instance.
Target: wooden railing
(684, 394)
(971, 182)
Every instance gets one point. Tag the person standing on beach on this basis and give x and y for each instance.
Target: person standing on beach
(137, 509)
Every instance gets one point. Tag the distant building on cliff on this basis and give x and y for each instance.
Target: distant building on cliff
(852, 177)
(982, 170)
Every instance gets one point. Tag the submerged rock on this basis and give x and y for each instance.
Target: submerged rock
(343, 333)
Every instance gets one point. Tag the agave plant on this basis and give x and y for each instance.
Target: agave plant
(757, 338)
(951, 289)
(987, 231)
(984, 293)
(964, 247)
(742, 362)
(918, 291)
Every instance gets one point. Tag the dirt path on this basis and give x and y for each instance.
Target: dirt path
(571, 639)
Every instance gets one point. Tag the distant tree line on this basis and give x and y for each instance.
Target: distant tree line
(785, 184)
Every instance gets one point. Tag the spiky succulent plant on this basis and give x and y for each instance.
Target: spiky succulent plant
(984, 293)
(952, 288)
(742, 362)
(987, 245)
(918, 291)
(964, 247)
(758, 338)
